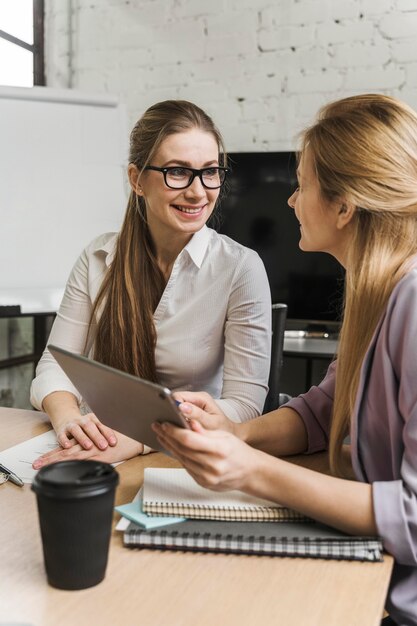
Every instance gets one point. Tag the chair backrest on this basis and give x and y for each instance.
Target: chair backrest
(279, 316)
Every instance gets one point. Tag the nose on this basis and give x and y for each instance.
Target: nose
(291, 200)
(196, 189)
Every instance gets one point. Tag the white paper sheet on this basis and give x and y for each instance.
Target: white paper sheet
(19, 458)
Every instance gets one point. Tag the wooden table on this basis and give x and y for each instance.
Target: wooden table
(156, 588)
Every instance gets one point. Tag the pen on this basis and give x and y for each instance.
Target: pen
(12, 476)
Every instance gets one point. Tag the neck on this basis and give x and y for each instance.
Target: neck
(167, 249)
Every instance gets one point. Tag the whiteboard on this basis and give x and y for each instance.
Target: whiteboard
(63, 157)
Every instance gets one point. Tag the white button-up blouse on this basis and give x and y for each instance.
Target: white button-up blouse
(213, 323)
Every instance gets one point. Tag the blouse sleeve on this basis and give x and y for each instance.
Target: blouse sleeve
(395, 501)
(247, 342)
(315, 409)
(69, 331)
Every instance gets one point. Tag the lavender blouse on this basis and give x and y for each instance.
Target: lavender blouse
(383, 437)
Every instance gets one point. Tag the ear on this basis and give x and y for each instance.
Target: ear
(346, 211)
(133, 174)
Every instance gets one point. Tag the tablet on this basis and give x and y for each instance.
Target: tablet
(124, 402)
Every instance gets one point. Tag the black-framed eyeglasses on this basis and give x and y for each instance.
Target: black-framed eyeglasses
(176, 177)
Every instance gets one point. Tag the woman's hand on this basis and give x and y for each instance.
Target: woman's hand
(215, 459)
(85, 430)
(125, 448)
(201, 407)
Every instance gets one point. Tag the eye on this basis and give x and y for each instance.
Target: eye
(178, 172)
(211, 172)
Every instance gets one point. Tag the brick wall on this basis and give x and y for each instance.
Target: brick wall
(261, 68)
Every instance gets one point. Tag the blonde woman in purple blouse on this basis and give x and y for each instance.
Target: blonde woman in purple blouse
(356, 200)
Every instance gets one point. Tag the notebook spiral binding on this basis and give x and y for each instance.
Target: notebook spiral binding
(236, 513)
(364, 549)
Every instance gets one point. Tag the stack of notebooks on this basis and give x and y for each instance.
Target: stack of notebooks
(173, 512)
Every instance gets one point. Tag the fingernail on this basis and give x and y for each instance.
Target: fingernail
(112, 441)
(37, 464)
(185, 408)
(102, 445)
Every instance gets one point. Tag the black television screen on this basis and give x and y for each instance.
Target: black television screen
(255, 212)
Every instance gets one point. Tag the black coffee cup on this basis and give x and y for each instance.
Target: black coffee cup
(75, 506)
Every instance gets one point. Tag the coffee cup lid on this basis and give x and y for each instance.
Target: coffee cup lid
(75, 479)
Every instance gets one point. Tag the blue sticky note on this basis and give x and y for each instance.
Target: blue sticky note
(133, 512)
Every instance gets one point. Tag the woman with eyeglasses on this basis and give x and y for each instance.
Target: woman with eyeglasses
(167, 299)
(356, 200)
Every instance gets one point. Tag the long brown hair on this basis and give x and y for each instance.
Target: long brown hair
(364, 150)
(122, 325)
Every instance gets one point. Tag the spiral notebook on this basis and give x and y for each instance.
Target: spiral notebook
(168, 491)
(294, 539)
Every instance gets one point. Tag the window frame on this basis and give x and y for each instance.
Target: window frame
(37, 48)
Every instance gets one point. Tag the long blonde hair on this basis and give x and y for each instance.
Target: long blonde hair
(364, 150)
(124, 333)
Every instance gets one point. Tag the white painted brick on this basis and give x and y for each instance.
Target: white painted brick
(371, 79)
(90, 80)
(143, 99)
(377, 7)
(239, 5)
(344, 32)
(202, 92)
(190, 8)
(411, 74)
(134, 36)
(250, 63)
(144, 12)
(282, 37)
(399, 25)
(263, 87)
(293, 13)
(139, 57)
(177, 50)
(316, 82)
(98, 57)
(404, 50)
(410, 97)
(240, 23)
(280, 62)
(272, 131)
(216, 69)
(118, 80)
(359, 54)
(228, 109)
(169, 74)
(177, 31)
(309, 58)
(265, 63)
(57, 44)
(306, 106)
(345, 9)
(406, 5)
(255, 108)
(230, 45)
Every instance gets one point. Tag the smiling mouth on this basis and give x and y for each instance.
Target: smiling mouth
(187, 209)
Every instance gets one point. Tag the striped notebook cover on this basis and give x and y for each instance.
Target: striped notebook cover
(172, 492)
(293, 539)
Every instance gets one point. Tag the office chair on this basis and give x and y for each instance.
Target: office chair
(274, 399)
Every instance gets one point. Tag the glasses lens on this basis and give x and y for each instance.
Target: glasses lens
(213, 177)
(178, 177)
